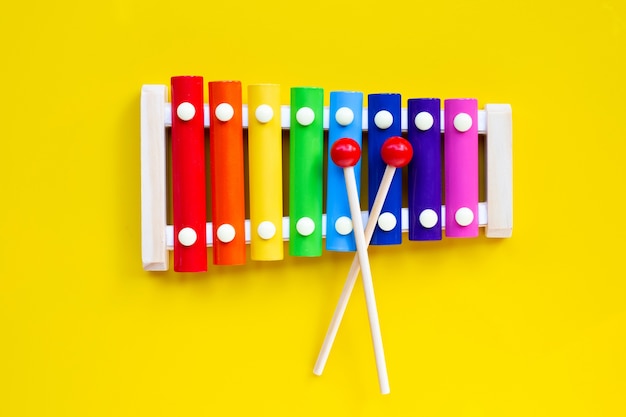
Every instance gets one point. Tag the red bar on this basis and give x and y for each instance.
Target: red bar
(188, 176)
(227, 179)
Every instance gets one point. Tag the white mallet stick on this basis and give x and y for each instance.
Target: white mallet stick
(396, 152)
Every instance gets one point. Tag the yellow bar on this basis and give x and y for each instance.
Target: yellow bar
(265, 172)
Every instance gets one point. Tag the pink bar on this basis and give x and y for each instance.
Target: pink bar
(461, 167)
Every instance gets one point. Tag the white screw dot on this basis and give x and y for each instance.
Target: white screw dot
(226, 233)
(266, 230)
(305, 116)
(185, 111)
(343, 225)
(463, 122)
(187, 236)
(464, 216)
(344, 116)
(264, 113)
(383, 119)
(224, 112)
(305, 226)
(428, 218)
(424, 121)
(387, 221)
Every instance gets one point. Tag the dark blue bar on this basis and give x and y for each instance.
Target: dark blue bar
(376, 166)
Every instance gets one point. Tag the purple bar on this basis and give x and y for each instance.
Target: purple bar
(424, 134)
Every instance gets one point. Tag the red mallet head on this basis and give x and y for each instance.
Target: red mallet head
(396, 151)
(345, 152)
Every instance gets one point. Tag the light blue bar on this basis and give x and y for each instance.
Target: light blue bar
(336, 195)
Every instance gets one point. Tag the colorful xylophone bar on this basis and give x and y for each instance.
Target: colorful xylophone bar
(226, 117)
(306, 150)
(188, 177)
(227, 174)
(384, 122)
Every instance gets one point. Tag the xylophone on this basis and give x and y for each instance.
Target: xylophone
(343, 223)
(422, 122)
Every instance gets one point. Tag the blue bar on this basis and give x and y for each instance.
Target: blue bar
(378, 133)
(336, 196)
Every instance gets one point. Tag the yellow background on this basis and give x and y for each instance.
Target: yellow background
(530, 326)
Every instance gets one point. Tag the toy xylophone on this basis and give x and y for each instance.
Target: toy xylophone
(422, 122)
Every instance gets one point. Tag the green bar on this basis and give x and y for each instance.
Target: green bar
(306, 151)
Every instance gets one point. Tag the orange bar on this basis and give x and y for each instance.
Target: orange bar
(227, 176)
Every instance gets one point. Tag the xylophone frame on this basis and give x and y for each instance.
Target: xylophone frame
(495, 214)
